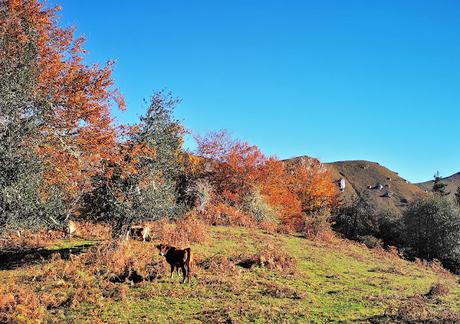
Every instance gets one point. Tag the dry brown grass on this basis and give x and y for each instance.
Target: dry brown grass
(27, 239)
(414, 309)
(180, 233)
(85, 278)
(277, 290)
(272, 257)
(14, 240)
(435, 266)
(223, 214)
(438, 290)
(91, 231)
(268, 226)
(219, 264)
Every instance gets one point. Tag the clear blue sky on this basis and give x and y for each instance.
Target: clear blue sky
(338, 80)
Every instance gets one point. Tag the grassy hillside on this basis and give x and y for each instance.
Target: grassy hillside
(360, 175)
(295, 280)
(452, 182)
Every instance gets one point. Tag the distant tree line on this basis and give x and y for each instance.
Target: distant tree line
(429, 228)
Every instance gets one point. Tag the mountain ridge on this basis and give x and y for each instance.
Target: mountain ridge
(452, 182)
(385, 187)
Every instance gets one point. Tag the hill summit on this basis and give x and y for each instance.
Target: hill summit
(386, 188)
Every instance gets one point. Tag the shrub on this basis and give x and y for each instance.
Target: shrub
(256, 206)
(370, 241)
(181, 232)
(223, 214)
(192, 229)
(19, 304)
(271, 257)
(438, 290)
(201, 194)
(269, 226)
(219, 264)
(93, 231)
(15, 240)
(390, 228)
(414, 309)
(318, 225)
(275, 290)
(357, 219)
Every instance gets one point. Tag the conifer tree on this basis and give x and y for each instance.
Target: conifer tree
(439, 187)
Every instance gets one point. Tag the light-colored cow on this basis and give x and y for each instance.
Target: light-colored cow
(139, 231)
(71, 229)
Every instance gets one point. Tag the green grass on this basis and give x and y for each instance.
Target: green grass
(332, 283)
(69, 244)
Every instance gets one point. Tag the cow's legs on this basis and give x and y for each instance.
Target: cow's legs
(172, 271)
(189, 273)
(184, 273)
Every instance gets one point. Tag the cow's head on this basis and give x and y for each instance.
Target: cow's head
(163, 249)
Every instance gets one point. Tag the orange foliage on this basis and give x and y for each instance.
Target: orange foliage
(313, 184)
(78, 128)
(224, 214)
(295, 191)
(237, 166)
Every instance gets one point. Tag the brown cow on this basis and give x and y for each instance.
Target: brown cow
(177, 259)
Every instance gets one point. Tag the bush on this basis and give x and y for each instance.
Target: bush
(200, 193)
(358, 219)
(318, 225)
(370, 241)
(414, 309)
(223, 214)
(255, 205)
(272, 257)
(438, 290)
(390, 228)
(219, 264)
(29, 239)
(181, 232)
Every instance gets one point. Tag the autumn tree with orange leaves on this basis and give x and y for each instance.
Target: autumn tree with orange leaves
(54, 107)
(295, 192)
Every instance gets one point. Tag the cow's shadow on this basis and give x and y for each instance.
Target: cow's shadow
(12, 259)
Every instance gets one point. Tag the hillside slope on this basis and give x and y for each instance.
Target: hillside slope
(452, 182)
(368, 176)
(295, 280)
(385, 187)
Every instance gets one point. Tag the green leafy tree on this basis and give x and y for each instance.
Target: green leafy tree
(432, 229)
(144, 184)
(357, 219)
(391, 228)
